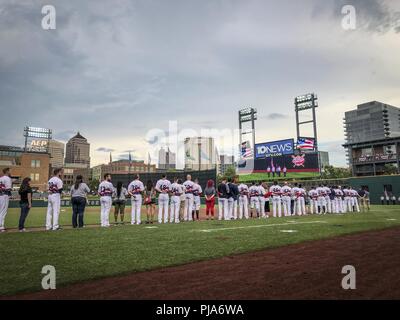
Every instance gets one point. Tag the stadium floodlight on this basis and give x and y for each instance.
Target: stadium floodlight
(248, 114)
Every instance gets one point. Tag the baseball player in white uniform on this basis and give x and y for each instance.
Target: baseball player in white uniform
(135, 189)
(176, 192)
(276, 192)
(188, 186)
(254, 199)
(313, 195)
(301, 203)
(328, 199)
(106, 190)
(321, 199)
(197, 191)
(261, 197)
(286, 198)
(5, 193)
(243, 201)
(354, 200)
(163, 187)
(347, 200)
(338, 206)
(55, 187)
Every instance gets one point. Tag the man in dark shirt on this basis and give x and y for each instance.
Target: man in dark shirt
(223, 195)
(233, 198)
(25, 192)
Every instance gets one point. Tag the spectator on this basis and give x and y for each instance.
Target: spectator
(150, 201)
(209, 193)
(78, 199)
(119, 202)
(25, 192)
(269, 171)
(284, 171)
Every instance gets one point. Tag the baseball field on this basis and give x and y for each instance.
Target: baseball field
(92, 260)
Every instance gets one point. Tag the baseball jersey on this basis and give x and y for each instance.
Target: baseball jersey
(346, 192)
(55, 185)
(136, 187)
(188, 186)
(243, 189)
(254, 191)
(296, 192)
(354, 193)
(302, 192)
(275, 190)
(286, 190)
(327, 191)
(197, 190)
(338, 193)
(321, 191)
(176, 189)
(163, 185)
(261, 191)
(313, 194)
(5, 185)
(106, 189)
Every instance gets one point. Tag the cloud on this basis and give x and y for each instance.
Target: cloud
(102, 149)
(276, 116)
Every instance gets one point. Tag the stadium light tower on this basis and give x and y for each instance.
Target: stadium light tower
(303, 103)
(247, 115)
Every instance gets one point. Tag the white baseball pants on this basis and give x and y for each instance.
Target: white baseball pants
(189, 201)
(300, 206)
(276, 206)
(255, 204)
(262, 206)
(174, 209)
(105, 205)
(313, 206)
(286, 205)
(223, 209)
(136, 208)
(4, 201)
(53, 211)
(243, 207)
(196, 202)
(163, 201)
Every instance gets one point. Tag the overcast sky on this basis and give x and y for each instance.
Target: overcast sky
(115, 70)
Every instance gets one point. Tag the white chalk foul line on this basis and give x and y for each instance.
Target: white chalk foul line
(258, 226)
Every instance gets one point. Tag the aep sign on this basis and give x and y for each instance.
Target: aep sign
(275, 148)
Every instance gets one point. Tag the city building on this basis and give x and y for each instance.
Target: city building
(200, 153)
(72, 170)
(225, 162)
(78, 151)
(166, 160)
(323, 158)
(56, 150)
(35, 165)
(122, 167)
(372, 134)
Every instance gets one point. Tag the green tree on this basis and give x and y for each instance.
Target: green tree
(390, 169)
(94, 184)
(230, 172)
(331, 172)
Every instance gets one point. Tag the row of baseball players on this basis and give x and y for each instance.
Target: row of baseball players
(293, 200)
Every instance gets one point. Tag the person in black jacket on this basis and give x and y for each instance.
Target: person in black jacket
(223, 195)
(25, 203)
(233, 198)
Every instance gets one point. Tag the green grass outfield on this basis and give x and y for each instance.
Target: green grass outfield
(92, 253)
(264, 176)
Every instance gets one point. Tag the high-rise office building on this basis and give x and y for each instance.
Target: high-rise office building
(372, 138)
(200, 153)
(78, 151)
(372, 121)
(56, 150)
(166, 159)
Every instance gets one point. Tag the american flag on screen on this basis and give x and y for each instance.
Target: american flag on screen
(305, 144)
(246, 151)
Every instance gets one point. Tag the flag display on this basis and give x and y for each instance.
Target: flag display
(246, 151)
(305, 144)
